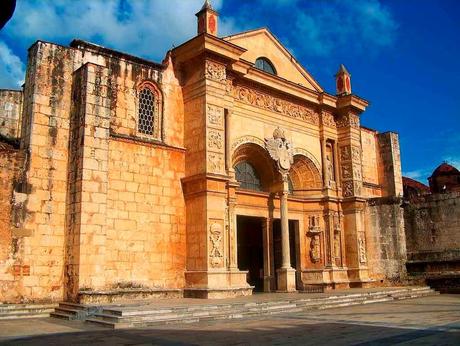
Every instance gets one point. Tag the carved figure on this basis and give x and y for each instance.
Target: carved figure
(215, 237)
(315, 249)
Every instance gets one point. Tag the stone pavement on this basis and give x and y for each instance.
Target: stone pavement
(423, 321)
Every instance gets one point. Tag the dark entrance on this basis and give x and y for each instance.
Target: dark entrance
(277, 251)
(250, 249)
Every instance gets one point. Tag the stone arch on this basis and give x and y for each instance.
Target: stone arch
(257, 157)
(305, 175)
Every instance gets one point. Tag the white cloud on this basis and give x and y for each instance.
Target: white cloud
(11, 68)
(140, 27)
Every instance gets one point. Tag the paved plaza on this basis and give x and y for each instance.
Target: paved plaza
(423, 321)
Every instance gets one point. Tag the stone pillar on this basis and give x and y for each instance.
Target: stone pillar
(349, 133)
(232, 229)
(286, 274)
(266, 234)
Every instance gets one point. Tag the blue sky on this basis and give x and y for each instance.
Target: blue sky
(403, 54)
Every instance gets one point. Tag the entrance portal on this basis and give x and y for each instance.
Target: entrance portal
(250, 249)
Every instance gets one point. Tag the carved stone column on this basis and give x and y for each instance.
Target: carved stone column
(266, 235)
(280, 150)
(286, 254)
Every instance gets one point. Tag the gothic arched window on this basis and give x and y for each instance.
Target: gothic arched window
(247, 176)
(265, 65)
(149, 111)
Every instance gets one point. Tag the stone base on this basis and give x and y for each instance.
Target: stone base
(218, 293)
(216, 284)
(286, 280)
(126, 295)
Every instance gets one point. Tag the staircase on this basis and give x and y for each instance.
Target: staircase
(71, 311)
(143, 316)
(15, 311)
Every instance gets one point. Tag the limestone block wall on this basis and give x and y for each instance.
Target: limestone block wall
(42, 188)
(372, 184)
(10, 113)
(145, 242)
(386, 242)
(390, 164)
(12, 268)
(433, 228)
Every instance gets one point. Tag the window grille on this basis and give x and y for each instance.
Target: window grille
(247, 176)
(147, 112)
(265, 65)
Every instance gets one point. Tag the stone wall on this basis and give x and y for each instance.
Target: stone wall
(10, 113)
(386, 242)
(433, 233)
(390, 164)
(12, 242)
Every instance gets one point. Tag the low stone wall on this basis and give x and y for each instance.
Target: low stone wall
(432, 225)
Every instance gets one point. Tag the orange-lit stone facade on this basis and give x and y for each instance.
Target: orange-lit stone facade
(106, 207)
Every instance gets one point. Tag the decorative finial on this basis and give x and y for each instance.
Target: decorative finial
(343, 81)
(207, 6)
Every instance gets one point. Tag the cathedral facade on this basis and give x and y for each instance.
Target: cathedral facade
(223, 170)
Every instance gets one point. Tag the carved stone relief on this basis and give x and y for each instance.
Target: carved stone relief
(313, 232)
(265, 101)
(215, 116)
(347, 187)
(215, 162)
(348, 120)
(347, 172)
(345, 153)
(280, 150)
(247, 139)
(216, 255)
(362, 249)
(328, 119)
(215, 71)
(215, 140)
(356, 154)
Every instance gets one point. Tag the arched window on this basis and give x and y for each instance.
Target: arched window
(265, 65)
(149, 111)
(247, 176)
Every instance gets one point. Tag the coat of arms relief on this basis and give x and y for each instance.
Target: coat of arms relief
(280, 150)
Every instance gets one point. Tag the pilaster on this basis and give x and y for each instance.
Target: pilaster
(88, 179)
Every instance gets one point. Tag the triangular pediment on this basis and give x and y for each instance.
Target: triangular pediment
(262, 43)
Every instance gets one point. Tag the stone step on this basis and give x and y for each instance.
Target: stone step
(62, 315)
(14, 307)
(131, 318)
(13, 316)
(252, 305)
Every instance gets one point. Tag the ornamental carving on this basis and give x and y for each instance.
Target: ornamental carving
(215, 162)
(356, 154)
(347, 187)
(347, 172)
(337, 247)
(247, 139)
(229, 86)
(313, 232)
(215, 140)
(216, 255)
(328, 119)
(348, 120)
(357, 173)
(345, 153)
(315, 249)
(274, 104)
(215, 71)
(362, 249)
(216, 115)
(280, 150)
